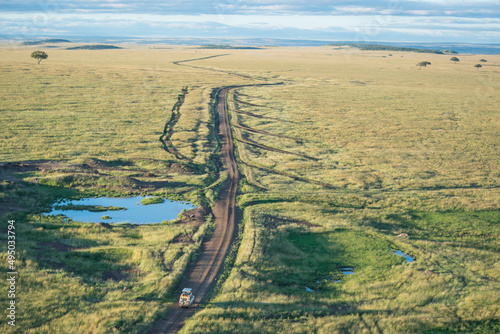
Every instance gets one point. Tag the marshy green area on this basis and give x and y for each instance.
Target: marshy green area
(355, 155)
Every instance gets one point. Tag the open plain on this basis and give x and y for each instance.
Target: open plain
(343, 156)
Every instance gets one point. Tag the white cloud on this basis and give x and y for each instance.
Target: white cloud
(355, 9)
(419, 12)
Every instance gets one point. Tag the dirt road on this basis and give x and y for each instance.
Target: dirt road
(201, 276)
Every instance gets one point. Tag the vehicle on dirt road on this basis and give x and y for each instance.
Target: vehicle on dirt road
(187, 298)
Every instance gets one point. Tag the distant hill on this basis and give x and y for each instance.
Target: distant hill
(225, 47)
(46, 41)
(94, 47)
(381, 47)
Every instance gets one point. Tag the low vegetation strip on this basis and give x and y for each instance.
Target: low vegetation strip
(380, 47)
(228, 47)
(45, 41)
(94, 47)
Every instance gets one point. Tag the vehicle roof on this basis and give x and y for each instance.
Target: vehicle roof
(186, 290)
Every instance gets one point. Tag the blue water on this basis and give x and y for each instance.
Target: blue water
(347, 271)
(136, 213)
(408, 258)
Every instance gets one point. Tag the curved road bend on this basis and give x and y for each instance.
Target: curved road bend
(201, 276)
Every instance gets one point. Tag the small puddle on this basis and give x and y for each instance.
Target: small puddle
(119, 210)
(344, 270)
(409, 259)
(309, 289)
(347, 270)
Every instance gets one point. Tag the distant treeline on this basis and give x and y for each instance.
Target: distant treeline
(380, 47)
(94, 47)
(46, 41)
(219, 46)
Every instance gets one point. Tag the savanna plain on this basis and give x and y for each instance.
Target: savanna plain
(346, 157)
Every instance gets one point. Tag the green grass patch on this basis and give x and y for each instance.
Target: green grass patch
(325, 254)
(152, 200)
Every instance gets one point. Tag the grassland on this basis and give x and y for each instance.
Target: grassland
(354, 151)
(88, 123)
(376, 149)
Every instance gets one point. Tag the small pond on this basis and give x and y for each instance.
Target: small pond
(119, 210)
(408, 258)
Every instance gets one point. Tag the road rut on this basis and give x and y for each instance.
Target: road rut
(201, 276)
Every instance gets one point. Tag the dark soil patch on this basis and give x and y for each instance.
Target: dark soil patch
(103, 225)
(119, 275)
(183, 238)
(55, 245)
(194, 217)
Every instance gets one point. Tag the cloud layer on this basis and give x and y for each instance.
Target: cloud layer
(401, 20)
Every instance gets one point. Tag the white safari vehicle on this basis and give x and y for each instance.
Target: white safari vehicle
(187, 298)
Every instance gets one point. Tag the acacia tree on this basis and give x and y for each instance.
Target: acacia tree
(454, 59)
(423, 64)
(478, 66)
(39, 55)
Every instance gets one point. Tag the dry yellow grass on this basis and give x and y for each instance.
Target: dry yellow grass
(398, 149)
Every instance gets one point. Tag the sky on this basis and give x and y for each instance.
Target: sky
(467, 21)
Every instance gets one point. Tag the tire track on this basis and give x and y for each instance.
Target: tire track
(261, 116)
(268, 148)
(266, 133)
(182, 63)
(295, 177)
(168, 130)
(249, 104)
